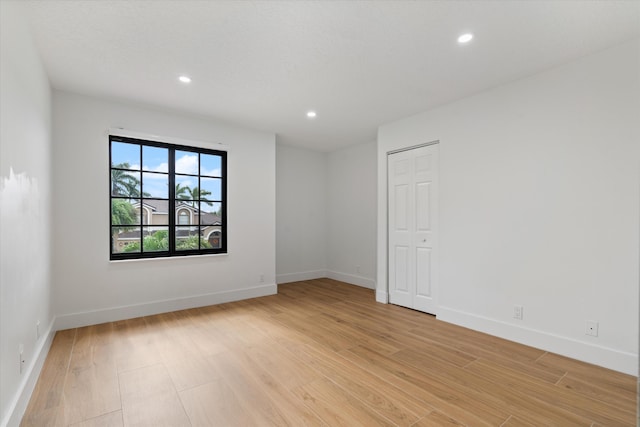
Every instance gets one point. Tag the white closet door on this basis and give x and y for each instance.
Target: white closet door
(413, 227)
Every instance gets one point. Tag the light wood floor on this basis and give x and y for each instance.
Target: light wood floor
(319, 353)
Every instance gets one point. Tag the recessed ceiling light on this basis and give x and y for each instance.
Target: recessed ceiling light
(185, 79)
(311, 114)
(465, 38)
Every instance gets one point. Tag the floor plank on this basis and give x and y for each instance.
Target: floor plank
(150, 399)
(319, 353)
(112, 419)
(47, 400)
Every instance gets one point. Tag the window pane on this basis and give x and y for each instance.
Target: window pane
(186, 162)
(187, 238)
(211, 188)
(125, 183)
(156, 212)
(185, 213)
(125, 239)
(126, 156)
(155, 185)
(184, 218)
(155, 159)
(210, 165)
(123, 212)
(212, 237)
(185, 186)
(156, 239)
(210, 213)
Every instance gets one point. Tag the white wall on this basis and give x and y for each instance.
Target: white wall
(91, 289)
(351, 213)
(25, 146)
(539, 206)
(302, 226)
(326, 214)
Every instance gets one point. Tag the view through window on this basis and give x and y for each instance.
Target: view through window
(166, 200)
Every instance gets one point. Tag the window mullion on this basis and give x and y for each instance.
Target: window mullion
(141, 221)
(199, 203)
(172, 201)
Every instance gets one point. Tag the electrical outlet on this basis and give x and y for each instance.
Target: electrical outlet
(358, 269)
(37, 330)
(518, 312)
(262, 278)
(591, 328)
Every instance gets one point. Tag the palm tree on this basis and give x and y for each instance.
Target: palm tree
(123, 183)
(196, 193)
(182, 192)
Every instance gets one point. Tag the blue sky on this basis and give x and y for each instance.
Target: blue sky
(155, 159)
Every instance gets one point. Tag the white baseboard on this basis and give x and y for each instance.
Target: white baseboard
(382, 297)
(76, 320)
(300, 276)
(19, 404)
(352, 279)
(586, 352)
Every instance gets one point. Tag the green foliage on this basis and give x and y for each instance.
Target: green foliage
(132, 247)
(193, 194)
(182, 193)
(159, 241)
(197, 193)
(191, 242)
(123, 183)
(123, 213)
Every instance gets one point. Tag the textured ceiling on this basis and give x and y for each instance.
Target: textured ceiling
(263, 64)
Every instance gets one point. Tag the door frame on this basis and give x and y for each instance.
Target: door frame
(382, 288)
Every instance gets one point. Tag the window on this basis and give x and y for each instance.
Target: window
(166, 200)
(183, 218)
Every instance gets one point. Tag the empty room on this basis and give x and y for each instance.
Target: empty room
(327, 213)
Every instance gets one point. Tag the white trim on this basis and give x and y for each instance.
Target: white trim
(212, 231)
(76, 320)
(413, 147)
(167, 139)
(382, 297)
(365, 282)
(382, 240)
(432, 306)
(167, 258)
(300, 276)
(580, 350)
(18, 404)
(189, 212)
(148, 214)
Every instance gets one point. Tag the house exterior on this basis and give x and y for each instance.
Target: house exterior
(189, 221)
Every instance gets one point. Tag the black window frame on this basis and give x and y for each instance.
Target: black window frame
(172, 221)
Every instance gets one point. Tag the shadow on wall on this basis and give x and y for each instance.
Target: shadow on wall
(23, 228)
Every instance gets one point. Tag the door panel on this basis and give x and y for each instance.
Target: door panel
(423, 272)
(423, 214)
(402, 269)
(413, 226)
(401, 205)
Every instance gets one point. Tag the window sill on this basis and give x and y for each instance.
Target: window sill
(168, 258)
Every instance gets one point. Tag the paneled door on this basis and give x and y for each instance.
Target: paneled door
(413, 227)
